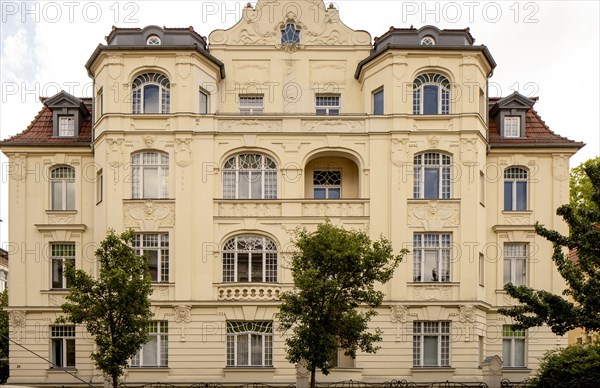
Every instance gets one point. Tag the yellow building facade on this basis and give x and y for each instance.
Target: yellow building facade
(215, 153)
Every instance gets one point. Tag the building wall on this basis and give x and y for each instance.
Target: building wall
(375, 155)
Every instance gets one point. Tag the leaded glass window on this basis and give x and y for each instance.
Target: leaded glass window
(290, 34)
(151, 93)
(432, 176)
(431, 94)
(250, 176)
(249, 343)
(250, 259)
(327, 184)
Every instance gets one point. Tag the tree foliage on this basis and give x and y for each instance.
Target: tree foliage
(576, 365)
(581, 187)
(4, 370)
(334, 272)
(115, 307)
(583, 278)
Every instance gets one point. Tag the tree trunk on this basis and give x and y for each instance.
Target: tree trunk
(115, 379)
(313, 371)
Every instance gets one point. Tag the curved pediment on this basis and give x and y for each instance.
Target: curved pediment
(263, 25)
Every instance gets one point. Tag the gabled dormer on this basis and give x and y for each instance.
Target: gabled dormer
(509, 114)
(68, 113)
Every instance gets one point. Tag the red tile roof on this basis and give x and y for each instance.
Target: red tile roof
(537, 133)
(39, 132)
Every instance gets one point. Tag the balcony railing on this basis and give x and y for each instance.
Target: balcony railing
(291, 208)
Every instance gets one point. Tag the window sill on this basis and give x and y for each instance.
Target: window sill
(55, 291)
(242, 369)
(517, 212)
(433, 283)
(61, 212)
(148, 368)
(429, 369)
(62, 370)
(515, 369)
(147, 199)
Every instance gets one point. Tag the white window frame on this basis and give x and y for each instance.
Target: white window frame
(513, 175)
(481, 269)
(138, 93)
(438, 329)
(439, 244)
(63, 336)
(328, 187)
(512, 126)
(99, 186)
(60, 254)
(143, 243)
(151, 160)
(153, 40)
(509, 348)
(238, 332)
(66, 126)
(428, 40)
(428, 161)
(513, 254)
(443, 92)
(290, 36)
(249, 245)
(158, 330)
(3, 280)
(251, 104)
(327, 104)
(242, 170)
(203, 96)
(63, 176)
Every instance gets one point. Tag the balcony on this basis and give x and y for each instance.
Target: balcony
(250, 291)
(238, 208)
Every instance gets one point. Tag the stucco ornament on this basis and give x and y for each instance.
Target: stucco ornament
(433, 216)
(149, 141)
(399, 151)
(149, 216)
(183, 152)
(18, 324)
(17, 167)
(183, 313)
(466, 314)
(398, 314)
(114, 152)
(433, 141)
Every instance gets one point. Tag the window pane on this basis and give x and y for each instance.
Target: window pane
(70, 352)
(508, 196)
(243, 267)
(507, 277)
(334, 193)
(521, 196)
(244, 185)
(70, 186)
(431, 268)
(57, 195)
(203, 103)
(520, 272)
(256, 185)
(430, 102)
(256, 349)
(242, 349)
(430, 349)
(519, 352)
(57, 273)
(432, 183)
(506, 352)
(378, 103)
(150, 182)
(152, 263)
(149, 351)
(257, 267)
(151, 93)
(57, 352)
(319, 193)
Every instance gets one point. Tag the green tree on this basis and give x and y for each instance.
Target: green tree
(583, 278)
(334, 272)
(115, 307)
(581, 187)
(3, 337)
(576, 365)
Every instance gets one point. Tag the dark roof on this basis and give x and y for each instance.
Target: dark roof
(536, 131)
(116, 30)
(466, 31)
(39, 132)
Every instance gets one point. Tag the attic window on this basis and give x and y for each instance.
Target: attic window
(153, 40)
(428, 41)
(290, 35)
(66, 126)
(512, 126)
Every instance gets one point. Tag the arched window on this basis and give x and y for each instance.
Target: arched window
(290, 34)
(431, 94)
(153, 40)
(432, 176)
(150, 175)
(62, 188)
(428, 41)
(151, 93)
(250, 259)
(515, 189)
(250, 176)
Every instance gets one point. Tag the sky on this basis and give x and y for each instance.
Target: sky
(548, 49)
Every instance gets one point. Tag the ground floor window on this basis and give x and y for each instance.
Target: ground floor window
(249, 343)
(431, 344)
(62, 348)
(513, 347)
(155, 352)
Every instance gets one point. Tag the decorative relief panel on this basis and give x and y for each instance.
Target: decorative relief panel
(399, 152)
(328, 209)
(58, 219)
(466, 314)
(327, 75)
(468, 150)
(183, 314)
(248, 292)
(148, 216)
(328, 125)
(434, 292)
(183, 152)
(434, 215)
(114, 152)
(398, 316)
(560, 167)
(251, 71)
(252, 125)
(56, 300)
(517, 220)
(17, 168)
(229, 209)
(18, 323)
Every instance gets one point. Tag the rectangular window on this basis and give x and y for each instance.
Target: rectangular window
(99, 104)
(249, 343)
(61, 254)
(512, 126)
(431, 344)
(62, 346)
(341, 360)
(155, 352)
(328, 104)
(431, 252)
(481, 188)
(251, 104)
(66, 126)
(203, 102)
(156, 249)
(513, 347)
(99, 186)
(481, 350)
(482, 104)
(481, 269)
(327, 184)
(515, 263)
(3, 280)
(432, 176)
(62, 188)
(378, 102)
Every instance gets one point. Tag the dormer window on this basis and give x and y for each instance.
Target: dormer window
(290, 34)
(428, 41)
(153, 40)
(66, 126)
(512, 126)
